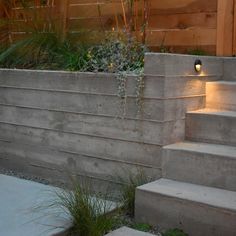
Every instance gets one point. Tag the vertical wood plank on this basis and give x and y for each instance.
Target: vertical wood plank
(63, 9)
(4, 28)
(225, 26)
(37, 3)
(234, 33)
(1, 11)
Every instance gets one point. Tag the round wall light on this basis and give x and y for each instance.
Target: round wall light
(198, 65)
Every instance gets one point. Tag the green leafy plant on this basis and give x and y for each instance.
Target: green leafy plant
(198, 52)
(174, 232)
(142, 227)
(116, 53)
(123, 220)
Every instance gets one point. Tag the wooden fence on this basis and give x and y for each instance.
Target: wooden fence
(173, 25)
(3, 28)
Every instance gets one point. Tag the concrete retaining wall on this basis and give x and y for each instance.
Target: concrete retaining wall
(54, 123)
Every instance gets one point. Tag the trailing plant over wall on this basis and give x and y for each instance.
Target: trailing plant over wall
(122, 55)
(117, 54)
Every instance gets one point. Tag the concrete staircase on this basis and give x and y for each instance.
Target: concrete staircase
(198, 190)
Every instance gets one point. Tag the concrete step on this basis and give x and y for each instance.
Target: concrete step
(211, 165)
(198, 210)
(125, 231)
(221, 95)
(213, 126)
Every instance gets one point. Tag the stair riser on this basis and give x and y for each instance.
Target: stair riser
(200, 168)
(194, 218)
(229, 69)
(221, 96)
(211, 128)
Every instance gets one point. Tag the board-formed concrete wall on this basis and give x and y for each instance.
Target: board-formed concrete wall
(54, 124)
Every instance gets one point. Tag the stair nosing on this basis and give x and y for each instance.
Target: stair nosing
(187, 149)
(214, 112)
(226, 82)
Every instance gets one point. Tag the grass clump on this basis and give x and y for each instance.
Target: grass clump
(124, 220)
(89, 214)
(128, 191)
(31, 52)
(197, 52)
(142, 227)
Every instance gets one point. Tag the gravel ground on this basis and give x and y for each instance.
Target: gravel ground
(23, 176)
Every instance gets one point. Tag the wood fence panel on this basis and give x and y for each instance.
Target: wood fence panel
(3, 27)
(182, 24)
(225, 18)
(62, 9)
(234, 30)
(177, 25)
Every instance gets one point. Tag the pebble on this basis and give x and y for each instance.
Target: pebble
(23, 176)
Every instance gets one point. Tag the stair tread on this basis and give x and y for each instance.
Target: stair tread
(215, 149)
(214, 197)
(208, 111)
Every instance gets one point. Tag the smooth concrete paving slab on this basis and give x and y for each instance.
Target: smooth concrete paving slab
(18, 215)
(125, 231)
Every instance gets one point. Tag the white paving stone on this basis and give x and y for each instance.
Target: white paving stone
(125, 231)
(18, 215)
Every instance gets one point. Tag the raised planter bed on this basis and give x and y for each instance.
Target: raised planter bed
(54, 124)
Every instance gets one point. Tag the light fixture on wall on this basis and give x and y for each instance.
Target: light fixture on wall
(198, 65)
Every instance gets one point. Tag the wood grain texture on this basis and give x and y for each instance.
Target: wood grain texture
(177, 24)
(3, 27)
(234, 30)
(172, 23)
(225, 18)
